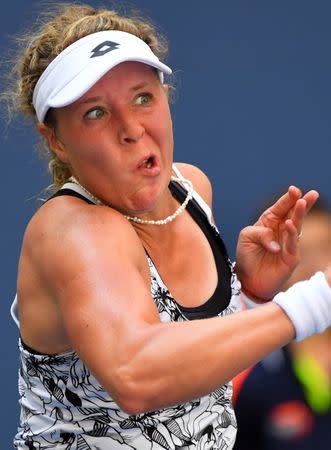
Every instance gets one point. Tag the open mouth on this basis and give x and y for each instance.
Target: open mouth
(148, 163)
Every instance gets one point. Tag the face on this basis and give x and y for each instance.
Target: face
(118, 138)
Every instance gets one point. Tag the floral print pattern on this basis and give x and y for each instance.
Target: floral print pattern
(64, 407)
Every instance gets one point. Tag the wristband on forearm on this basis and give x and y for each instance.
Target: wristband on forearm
(308, 305)
(250, 296)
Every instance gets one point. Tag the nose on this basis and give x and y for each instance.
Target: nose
(130, 128)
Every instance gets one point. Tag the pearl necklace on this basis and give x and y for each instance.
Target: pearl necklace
(168, 219)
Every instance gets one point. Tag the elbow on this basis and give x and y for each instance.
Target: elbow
(132, 406)
(133, 395)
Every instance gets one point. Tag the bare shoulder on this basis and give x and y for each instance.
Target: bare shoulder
(67, 234)
(199, 179)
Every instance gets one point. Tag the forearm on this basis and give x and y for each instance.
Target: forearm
(180, 361)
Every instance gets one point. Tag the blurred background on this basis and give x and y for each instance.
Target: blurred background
(284, 401)
(252, 109)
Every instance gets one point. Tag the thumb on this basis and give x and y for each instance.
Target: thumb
(261, 235)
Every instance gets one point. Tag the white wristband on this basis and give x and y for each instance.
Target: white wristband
(308, 305)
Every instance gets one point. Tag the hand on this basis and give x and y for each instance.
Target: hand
(267, 252)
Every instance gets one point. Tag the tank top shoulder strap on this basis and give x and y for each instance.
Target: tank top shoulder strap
(73, 190)
(203, 205)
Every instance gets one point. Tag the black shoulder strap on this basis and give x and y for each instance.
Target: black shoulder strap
(179, 192)
(71, 192)
(222, 295)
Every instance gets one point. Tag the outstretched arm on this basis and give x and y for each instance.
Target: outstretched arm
(102, 289)
(267, 252)
(102, 293)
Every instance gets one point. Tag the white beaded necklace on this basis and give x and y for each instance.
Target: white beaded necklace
(168, 219)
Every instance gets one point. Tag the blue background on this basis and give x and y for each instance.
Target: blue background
(252, 110)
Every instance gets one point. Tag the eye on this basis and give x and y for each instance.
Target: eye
(143, 99)
(95, 113)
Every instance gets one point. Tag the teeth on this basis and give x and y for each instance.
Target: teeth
(148, 163)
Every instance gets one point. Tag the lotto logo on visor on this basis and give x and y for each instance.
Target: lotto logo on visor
(78, 67)
(104, 48)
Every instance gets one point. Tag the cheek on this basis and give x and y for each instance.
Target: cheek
(163, 127)
(81, 151)
(77, 140)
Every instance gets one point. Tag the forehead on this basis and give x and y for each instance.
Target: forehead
(126, 75)
(116, 85)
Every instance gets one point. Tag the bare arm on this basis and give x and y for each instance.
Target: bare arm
(112, 322)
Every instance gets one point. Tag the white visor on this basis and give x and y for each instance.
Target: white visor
(78, 67)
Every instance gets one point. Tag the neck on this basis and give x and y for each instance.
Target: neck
(139, 220)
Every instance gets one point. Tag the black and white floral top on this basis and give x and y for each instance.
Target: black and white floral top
(64, 407)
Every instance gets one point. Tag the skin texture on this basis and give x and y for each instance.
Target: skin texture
(84, 267)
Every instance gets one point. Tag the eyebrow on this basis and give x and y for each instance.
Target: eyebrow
(137, 87)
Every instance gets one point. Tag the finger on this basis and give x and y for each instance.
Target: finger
(298, 214)
(311, 198)
(263, 236)
(291, 240)
(282, 207)
(302, 207)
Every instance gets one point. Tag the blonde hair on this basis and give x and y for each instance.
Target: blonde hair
(58, 27)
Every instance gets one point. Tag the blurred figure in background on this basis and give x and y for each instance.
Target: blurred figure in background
(284, 402)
